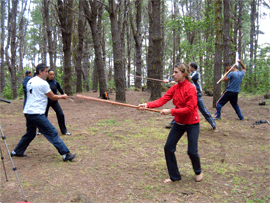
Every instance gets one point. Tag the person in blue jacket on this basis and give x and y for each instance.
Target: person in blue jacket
(231, 93)
(28, 76)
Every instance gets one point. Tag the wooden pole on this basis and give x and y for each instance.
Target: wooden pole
(113, 102)
(146, 78)
(226, 73)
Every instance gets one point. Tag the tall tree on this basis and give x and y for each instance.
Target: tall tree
(119, 71)
(81, 30)
(13, 45)
(94, 23)
(46, 6)
(218, 50)
(226, 35)
(2, 68)
(137, 35)
(65, 15)
(155, 59)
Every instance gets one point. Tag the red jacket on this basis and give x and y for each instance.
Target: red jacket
(184, 97)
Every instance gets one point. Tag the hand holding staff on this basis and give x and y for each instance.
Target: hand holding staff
(226, 73)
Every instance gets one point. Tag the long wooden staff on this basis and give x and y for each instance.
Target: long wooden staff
(113, 102)
(226, 73)
(147, 78)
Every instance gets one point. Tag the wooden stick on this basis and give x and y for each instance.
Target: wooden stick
(146, 78)
(226, 73)
(113, 102)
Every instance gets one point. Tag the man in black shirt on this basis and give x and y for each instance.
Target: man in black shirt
(54, 85)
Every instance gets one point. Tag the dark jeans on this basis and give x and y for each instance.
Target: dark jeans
(46, 128)
(223, 99)
(170, 147)
(59, 113)
(204, 112)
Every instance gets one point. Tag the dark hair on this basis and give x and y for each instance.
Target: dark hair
(27, 72)
(193, 65)
(50, 70)
(184, 69)
(40, 68)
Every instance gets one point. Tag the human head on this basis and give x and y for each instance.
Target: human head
(28, 73)
(50, 74)
(42, 70)
(184, 69)
(193, 66)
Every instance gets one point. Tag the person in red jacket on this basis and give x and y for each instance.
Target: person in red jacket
(187, 119)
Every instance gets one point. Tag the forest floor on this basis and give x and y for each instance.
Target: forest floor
(120, 155)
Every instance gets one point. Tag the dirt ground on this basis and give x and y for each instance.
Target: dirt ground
(120, 155)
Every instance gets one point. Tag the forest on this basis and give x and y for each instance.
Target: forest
(97, 45)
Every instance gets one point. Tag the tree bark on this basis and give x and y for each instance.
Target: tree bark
(226, 36)
(49, 32)
(218, 51)
(119, 72)
(13, 67)
(138, 42)
(2, 69)
(81, 30)
(156, 69)
(94, 24)
(66, 20)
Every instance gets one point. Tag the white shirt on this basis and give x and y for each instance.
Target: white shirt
(37, 100)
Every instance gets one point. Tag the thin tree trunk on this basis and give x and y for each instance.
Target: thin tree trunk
(78, 67)
(49, 32)
(119, 72)
(96, 32)
(240, 53)
(13, 67)
(66, 20)
(156, 70)
(226, 36)
(218, 51)
(2, 69)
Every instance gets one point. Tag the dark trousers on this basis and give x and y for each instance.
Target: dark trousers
(59, 113)
(223, 99)
(170, 147)
(46, 128)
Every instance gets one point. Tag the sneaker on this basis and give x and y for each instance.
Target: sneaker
(217, 118)
(169, 125)
(38, 133)
(69, 157)
(215, 129)
(17, 155)
(67, 133)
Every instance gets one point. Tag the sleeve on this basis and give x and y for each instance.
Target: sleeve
(191, 103)
(163, 100)
(46, 87)
(59, 88)
(230, 75)
(194, 76)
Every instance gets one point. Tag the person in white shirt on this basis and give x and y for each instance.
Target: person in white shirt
(38, 91)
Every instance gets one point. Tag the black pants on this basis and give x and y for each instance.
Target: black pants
(170, 147)
(59, 113)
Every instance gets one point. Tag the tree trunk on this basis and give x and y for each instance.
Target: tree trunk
(49, 32)
(86, 66)
(252, 34)
(2, 69)
(226, 36)
(13, 67)
(138, 42)
(119, 72)
(78, 67)
(156, 69)
(240, 54)
(95, 30)
(218, 51)
(66, 20)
